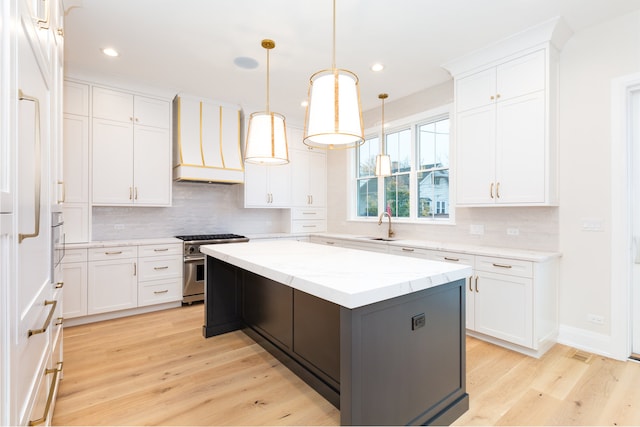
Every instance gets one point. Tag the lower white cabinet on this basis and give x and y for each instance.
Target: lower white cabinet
(307, 220)
(104, 280)
(113, 281)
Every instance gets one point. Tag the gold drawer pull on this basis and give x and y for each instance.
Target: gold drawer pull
(408, 249)
(477, 284)
(452, 259)
(330, 243)
(161, 268)
(52, 390)
(470, 288)
(309, 213)
(59, 321)
(113, 253)
(59, 285)
(161, 292)
(47, 322)
(161, 250)
(501, 265)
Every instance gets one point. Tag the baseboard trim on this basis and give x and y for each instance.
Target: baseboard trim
(591, 342)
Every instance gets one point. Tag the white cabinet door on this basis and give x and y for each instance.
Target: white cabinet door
(76, 158)
(267, 186)
(112, 105)
(475, 148)
(76, 99)
(112, 162)
(521, 76)
(504, 307)
(476, 90)
(75, 289)
(152, 166)
(113, 285)
(151, 112)
(309, 178)
(521, 171)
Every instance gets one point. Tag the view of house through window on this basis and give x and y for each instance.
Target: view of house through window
(419, 185)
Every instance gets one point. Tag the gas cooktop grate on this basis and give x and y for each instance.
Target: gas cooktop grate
(196, 237)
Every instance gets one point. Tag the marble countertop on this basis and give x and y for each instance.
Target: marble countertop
(519, 254)
(114, 243)
(349, 277)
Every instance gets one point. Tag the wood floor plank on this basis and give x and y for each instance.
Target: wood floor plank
(157, 369)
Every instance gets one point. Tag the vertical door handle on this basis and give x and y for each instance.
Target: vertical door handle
(477, 284)
(498, 190)
(38, 167)
(491, 190)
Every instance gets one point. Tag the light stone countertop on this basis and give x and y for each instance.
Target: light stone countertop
(114, 243)
(348, 277)
(518, 254)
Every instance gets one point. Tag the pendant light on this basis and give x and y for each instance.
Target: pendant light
(334, 114)
(267, 134)
(383, 161)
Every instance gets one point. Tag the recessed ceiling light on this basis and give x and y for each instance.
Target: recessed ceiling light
(245, 62)
(377, 67)
(109, 51)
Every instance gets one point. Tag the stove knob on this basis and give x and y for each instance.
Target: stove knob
(192, 250)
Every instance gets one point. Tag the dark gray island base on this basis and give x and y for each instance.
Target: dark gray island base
(400, 361)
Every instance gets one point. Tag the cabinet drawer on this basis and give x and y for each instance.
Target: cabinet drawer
(159, 291)
(118, 252)
(309, 226)
(74, 255)
(504, 266)
(412, 252)
(160, 268)
(308, 214)
(454, 257)
(158, 250)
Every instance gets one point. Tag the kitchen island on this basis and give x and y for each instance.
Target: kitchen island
(380, 336)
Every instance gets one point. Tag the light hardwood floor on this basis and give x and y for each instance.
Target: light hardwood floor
(157, 369)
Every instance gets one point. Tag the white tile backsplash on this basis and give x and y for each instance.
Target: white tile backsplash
(198, 208)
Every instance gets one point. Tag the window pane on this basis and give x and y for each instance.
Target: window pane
(396, 195)
(398, 147)
(367, 153)
(433, 145)
(368, 197)
(433, 194)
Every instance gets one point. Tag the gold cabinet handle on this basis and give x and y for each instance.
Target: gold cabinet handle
(113, 253)
(491, 191)
(61, 32)
(477, 284)
(38, 167)
(408, 250)
(52, 390)
(136, 194)
(63, 192)
(47, 321)
(59, 285)
(498, 190)
(330, 243)
(161, 250)
(161, 292)
(308, 226)
(502, 265)
(161, 268)
(43, 24)
(59, 321)
(497, 96)
(130, 193)
(470, 288)
(492, 97)
(309, 213)
(452, 259)
(135, 269)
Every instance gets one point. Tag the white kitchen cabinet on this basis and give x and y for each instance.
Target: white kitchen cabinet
(309, 178)
(267, 186)
(113, 279)
(505, 133)
(131, 150)
(307, 220)
(160, 278)
(75, 273)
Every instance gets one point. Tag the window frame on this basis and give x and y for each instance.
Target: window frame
(412, 123)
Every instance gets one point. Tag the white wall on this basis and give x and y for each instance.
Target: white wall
(589, 62)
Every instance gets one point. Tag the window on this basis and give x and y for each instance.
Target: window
(418, 188)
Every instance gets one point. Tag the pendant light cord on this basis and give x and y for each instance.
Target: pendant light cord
(268, 80)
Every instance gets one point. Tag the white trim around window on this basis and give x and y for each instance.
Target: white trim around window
(412, 122)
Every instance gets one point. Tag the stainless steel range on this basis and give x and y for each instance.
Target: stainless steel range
(193, 277)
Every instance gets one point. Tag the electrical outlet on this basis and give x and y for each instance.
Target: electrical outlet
(594, 318)
(476, 229)
(513, 232)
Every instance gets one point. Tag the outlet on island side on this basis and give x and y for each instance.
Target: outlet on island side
(418, 321)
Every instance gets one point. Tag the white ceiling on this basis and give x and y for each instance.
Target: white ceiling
(190, 45)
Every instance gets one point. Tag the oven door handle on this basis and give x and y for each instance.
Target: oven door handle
(192, 260)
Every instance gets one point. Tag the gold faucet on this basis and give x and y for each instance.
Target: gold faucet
(390, 233)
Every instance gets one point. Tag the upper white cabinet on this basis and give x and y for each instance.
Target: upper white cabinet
(207, 137)
(505, 98)
(131, 149)
(309, 186)
(267, 186)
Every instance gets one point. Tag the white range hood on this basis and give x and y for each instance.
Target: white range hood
(206, 141)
